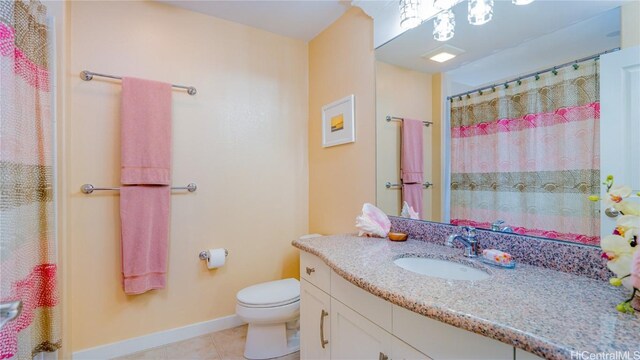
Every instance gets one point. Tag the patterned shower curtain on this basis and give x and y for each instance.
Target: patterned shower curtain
(529, 155)
(27, 236)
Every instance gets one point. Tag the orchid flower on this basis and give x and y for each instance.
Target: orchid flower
(619, 253)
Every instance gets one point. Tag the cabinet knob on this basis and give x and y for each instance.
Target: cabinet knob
(310, 270)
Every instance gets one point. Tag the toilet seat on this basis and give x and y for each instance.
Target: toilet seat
(270, 294)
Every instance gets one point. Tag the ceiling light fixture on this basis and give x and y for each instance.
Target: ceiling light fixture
(409, 14)
(442, 53)
(480, 11)
(521, 2)
(442, 57)
(444, 26)
(414, 12)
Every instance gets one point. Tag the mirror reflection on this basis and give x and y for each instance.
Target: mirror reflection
(491, 118)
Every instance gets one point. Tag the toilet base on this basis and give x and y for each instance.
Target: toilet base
(270, 340)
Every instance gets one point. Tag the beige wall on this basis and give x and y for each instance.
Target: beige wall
(404, 93)
(630, 33)
(242, 139)
(342, 178)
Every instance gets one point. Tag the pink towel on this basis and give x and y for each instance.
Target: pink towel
(412, 167)
(146, 160)
(412, 194)
(146, 132)
(144, 214)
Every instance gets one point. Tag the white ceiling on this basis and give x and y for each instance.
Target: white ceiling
(300, 19)
(592, 36)
(512, 26)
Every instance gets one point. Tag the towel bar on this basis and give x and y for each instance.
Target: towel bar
(88, 76)
(395, 118)
(89, 188)
(389, 185)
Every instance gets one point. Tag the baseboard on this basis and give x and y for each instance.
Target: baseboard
(141, 343)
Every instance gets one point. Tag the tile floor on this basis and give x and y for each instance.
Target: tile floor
(222, 345)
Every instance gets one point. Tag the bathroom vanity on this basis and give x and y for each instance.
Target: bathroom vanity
(357, 304)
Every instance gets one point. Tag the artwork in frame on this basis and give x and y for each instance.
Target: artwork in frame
(338, 122)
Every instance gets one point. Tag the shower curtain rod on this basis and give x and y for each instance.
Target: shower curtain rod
(537, 73)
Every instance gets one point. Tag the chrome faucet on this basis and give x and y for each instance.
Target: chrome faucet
(497, 226)
(468, 239)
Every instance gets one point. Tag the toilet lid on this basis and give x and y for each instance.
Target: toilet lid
(272, 293)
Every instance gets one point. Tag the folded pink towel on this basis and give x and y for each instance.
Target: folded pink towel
(145, 132)
(144, 214)
(412, 194)
(412, 165)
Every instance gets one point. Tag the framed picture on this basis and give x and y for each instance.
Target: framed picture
(338, 122)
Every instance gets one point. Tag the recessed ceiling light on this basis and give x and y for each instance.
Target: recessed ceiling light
(442, 57)
(443, 53)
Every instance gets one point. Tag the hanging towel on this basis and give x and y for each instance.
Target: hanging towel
(145, 132)
(144, 214)
(411, 164)
(412, 194)
(146, 163)
(411, 167)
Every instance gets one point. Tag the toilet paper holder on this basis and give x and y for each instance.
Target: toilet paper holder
(204, 255)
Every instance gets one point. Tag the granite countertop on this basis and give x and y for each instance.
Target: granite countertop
(542, 311)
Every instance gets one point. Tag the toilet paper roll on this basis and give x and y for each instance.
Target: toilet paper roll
(217, 258)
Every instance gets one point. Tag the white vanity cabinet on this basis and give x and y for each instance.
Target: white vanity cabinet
(339, 320)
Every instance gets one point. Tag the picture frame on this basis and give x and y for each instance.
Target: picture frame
(338, 122)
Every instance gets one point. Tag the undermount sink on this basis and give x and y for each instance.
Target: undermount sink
(443, 269)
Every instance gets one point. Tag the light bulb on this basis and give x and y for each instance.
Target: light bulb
(444, 26)
(480, 11)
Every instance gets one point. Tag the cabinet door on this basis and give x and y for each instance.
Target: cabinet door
(523, 355)
(402, 351)
(354, 337)
(315, 322)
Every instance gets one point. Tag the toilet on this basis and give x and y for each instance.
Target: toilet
(272, 310)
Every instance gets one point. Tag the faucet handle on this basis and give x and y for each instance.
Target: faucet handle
(497, 225)
(469, 232)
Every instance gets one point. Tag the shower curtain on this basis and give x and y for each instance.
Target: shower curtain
(27, 233)
(529, 155)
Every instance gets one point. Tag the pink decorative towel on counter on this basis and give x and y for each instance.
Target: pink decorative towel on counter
(144, 214)
(146, 164)
(412, 194)
(146, 132)
(412, 165)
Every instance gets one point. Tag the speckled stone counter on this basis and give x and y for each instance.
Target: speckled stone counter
(543, 311)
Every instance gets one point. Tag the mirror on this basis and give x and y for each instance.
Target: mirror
(498, 127)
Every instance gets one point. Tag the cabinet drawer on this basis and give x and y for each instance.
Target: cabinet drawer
(442, 341)
(315, 271)
(402, 351)
(368, 305)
